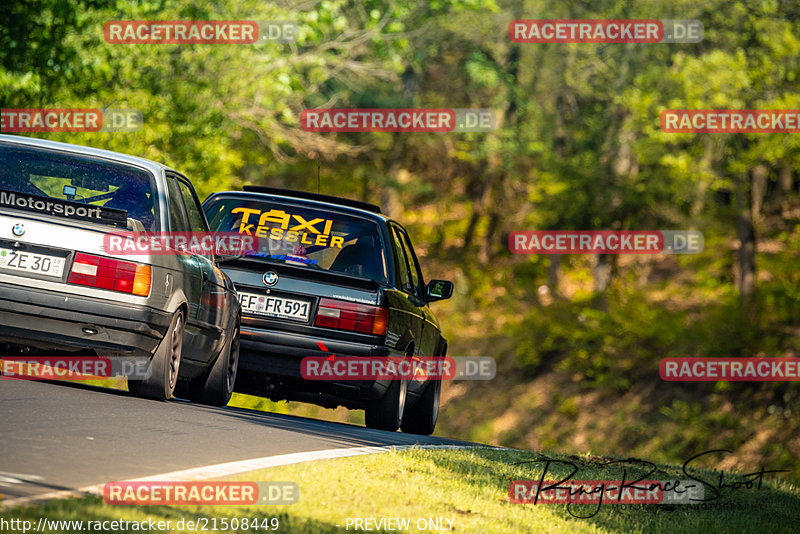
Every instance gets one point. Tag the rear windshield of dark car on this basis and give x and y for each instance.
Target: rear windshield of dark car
(77, 187)
(304, 236)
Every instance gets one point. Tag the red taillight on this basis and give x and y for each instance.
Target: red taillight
(108, 273)
(352, 316)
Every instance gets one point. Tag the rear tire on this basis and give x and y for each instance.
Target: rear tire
(387, 413)
(421, 418)
(215, 386)
(162, 373)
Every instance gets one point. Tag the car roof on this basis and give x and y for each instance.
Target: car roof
(153, 166)
(309, 199)
(313, 196)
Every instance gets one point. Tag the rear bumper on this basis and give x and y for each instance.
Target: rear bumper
(53, 320)
(269, 365)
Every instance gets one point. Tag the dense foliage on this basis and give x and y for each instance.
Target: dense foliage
(578, 146)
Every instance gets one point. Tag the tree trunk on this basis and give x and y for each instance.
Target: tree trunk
(391, 203)
(785, 185)
(485, 253)
(603, 272)
(553, 271)
(745, 230)
(785, 180)
(469, 235)
(497, 199)
(759, 175)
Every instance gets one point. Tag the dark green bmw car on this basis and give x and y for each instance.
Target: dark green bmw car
(334, 274)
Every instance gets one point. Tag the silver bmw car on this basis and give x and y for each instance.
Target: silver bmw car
(62, 290)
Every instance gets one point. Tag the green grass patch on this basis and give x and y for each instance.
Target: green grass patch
(299, 409)
(467, 487)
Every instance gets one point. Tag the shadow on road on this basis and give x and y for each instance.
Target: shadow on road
(337, 434)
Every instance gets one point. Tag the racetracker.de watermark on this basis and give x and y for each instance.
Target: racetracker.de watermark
(199, 32)
(437, 120)
(70, 120)
(228, 493)
(730, 120)
(606, 242)
(730, 369)
(58, 367)
(165, 243)
(597, 492)
(605, 31)
(396, 368)
(55, 367)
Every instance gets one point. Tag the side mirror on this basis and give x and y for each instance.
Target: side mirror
(438, 290)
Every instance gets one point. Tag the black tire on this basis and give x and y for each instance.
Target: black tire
(387, 413)
(162, 373)
(421, 418)
(215, 386)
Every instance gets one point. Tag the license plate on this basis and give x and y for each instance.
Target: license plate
(279, 307)
(29, 262)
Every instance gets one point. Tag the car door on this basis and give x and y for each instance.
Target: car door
(407, 302)
(430, 331)
(205, 289)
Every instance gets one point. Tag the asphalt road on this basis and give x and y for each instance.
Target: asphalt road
(59, 436)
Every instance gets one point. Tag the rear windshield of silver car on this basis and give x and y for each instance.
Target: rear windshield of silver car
(77, 187)
(304, 236)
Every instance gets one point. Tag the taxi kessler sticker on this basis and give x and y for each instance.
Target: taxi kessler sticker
(63, 208)
(275, 224)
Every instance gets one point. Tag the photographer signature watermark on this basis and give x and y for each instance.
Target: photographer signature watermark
(628, 490)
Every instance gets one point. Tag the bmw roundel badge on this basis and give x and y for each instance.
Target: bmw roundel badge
(18, 230)
(270, 278)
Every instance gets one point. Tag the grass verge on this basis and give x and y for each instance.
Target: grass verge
(465, 490)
